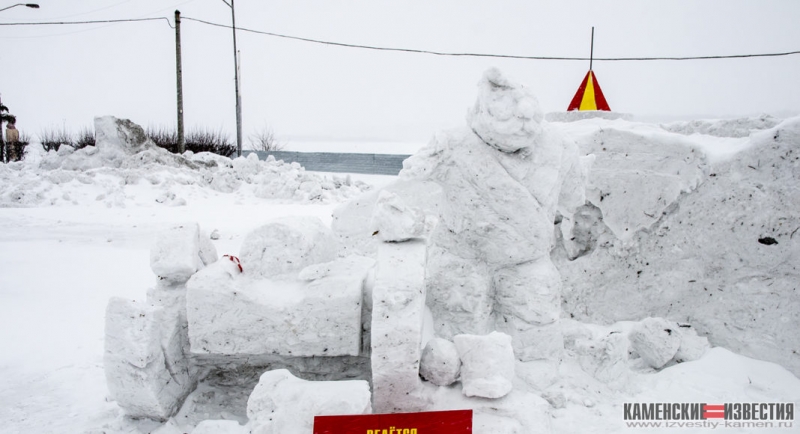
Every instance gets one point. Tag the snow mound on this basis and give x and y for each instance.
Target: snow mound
(722, 258)
(636, 176)
(741, 127)
(125, 168)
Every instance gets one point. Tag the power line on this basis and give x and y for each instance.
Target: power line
(504, 56)
(411, 50)
(126, 20)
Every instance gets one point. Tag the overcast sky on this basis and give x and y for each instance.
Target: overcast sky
(53, 76)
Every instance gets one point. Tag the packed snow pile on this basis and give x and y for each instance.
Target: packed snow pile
(126, 168)
(539, 274)
(723, 258)
(741, 127)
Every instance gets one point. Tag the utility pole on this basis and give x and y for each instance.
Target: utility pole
(591, 53)
(236, 82)
(179, 70)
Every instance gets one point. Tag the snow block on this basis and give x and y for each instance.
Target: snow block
(232, 313)
(282, 403)
(692, 346)
(145, 367)
(605, 359)
(398, 307)
(655, 340)
(394, 221)
(180, 252)
(119, 134)
(487, 364)
(440, 363)
(286, 245)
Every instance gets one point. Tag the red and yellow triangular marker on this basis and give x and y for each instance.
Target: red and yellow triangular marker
(589, 95)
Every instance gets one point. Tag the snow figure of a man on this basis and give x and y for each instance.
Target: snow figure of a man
(503, 181)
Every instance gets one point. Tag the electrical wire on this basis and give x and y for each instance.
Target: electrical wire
(505, 56)
(411, 50)
(126, 20)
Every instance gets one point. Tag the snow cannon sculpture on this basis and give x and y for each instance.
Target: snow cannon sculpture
(495, 188)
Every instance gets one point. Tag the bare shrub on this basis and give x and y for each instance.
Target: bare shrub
(163, 137)
(52, 139)
(84, 138)
(202, 140)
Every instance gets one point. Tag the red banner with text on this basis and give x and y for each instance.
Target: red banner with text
(429, 422)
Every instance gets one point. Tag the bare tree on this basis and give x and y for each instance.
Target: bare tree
(265, 140)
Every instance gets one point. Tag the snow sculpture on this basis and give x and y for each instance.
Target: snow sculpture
(287, 245)
(283, 403)
(503, 181)
(440, 363)
(398, 307)
(487, 368)
(234, 313)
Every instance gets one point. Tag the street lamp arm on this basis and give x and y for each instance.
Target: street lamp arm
(30, 5)
(229, 5)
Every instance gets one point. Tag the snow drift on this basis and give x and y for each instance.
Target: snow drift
(124, 162)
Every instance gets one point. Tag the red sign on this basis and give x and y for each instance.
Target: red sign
(430, 422)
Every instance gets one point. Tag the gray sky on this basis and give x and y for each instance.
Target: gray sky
(65, 75)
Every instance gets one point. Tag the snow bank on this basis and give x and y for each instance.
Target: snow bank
(282, 403)
(124, 161)
(741, 127)
(710, 260)
(636, 177)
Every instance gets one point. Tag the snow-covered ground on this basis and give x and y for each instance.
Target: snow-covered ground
(72, 237)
